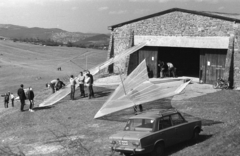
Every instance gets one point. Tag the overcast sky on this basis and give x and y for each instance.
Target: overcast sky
(97, 15)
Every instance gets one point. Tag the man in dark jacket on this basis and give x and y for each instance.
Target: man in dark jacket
(6, 100)
(30, 96)
(59, 84)
(91, 83)
(22, 97)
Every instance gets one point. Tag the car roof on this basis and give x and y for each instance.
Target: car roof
(153, 114)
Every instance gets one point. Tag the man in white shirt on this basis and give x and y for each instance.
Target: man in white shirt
(53, 84)
(171, 69)
(72, 83)
(12, 99)
(81, 79)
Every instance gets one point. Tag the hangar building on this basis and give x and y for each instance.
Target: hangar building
(199, 44)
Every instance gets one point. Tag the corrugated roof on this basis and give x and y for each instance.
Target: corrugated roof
(224, 16)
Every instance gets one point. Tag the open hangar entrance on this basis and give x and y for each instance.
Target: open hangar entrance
(203, 63)
(186, 60)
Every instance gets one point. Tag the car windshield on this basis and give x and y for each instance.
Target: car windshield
(139, 125)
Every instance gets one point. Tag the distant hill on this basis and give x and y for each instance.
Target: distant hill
(97, 39)
(20, 32)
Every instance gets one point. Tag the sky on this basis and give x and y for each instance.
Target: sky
(96, 15)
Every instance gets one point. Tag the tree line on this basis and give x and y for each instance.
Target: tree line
(50, 42)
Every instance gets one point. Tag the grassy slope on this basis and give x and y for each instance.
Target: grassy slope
(32, 132)
(35, 65)
(219, 113)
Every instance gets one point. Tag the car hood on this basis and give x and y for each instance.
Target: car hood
(128, 135)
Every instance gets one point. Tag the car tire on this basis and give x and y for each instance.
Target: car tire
(215, 85)
(195, 134)
(158, 150)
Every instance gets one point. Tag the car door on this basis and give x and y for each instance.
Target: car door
(166, 131)
(181, 127)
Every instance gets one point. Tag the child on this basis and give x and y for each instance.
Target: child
(12, 99)
(6, 100)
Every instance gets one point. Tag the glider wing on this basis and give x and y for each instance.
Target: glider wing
(137, 89)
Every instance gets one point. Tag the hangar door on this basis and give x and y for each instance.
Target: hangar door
(151, 56)
(212, 64)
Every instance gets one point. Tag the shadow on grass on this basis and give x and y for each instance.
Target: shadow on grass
(180, 146)
(42, 108)
(98, 92)
(205, 122)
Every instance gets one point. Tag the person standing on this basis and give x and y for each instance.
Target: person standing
(12, 99)
(30, 96)
(89, 85)
(81, 79)
(6, 100)
(22, 97)
(91, 82)
(72, 83)
(161, 68)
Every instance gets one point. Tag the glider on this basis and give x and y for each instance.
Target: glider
(137, 89)
(57, 96)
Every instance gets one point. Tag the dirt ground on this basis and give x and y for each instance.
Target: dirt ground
(68, 127)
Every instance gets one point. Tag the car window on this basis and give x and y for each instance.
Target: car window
(164, 122)
(139, 125)
(177, 119)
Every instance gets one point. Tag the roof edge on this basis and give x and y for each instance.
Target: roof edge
(172, 10)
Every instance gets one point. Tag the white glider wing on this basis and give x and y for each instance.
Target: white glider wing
(137, 89)
(116, 58)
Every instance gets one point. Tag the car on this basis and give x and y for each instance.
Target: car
(153, 131)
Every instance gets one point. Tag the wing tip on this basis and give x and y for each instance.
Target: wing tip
(98, 115)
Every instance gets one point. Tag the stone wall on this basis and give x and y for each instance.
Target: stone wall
(177, 24)
(236, 50)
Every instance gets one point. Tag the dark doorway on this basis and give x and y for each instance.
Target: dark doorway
(186, 60)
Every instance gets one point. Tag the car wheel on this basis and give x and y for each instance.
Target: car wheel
(195, 134)
(215, 85)
(158, 149)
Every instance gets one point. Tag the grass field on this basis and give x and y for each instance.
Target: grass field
(35, 65)
(68, 128)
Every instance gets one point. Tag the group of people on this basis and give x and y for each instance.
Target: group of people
(83, 79)
(23, 96)
(166, 69)
(7, 97)
(55, 85)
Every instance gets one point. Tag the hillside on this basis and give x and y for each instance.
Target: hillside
(20, 32)
(101, 39)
